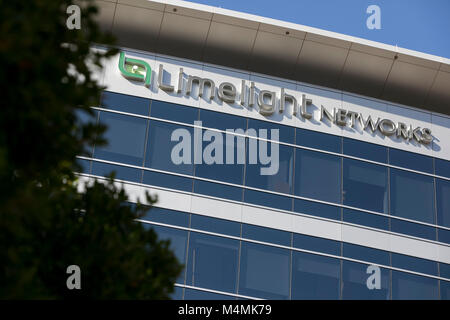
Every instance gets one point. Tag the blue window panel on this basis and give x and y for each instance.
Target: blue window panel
(85, 166)
(355, 278)
(122, 173)
(125, 136)
(317, 244)
(315, 277)
(443, 202)
(318, 140)
(366, 254)
(268, 200)
(177, 293)
(160, 147)
(366, 219)
(444, 270)
(279, 182)
(317, 209)
(84, 118)
(410, 160)
(285, 133)
(414, 264)
(229, 172)
(167, 216)
(222, 121)
(167, 181)
(216, 225)
(212, 262)
(406, 286)
(445, 290)
(412, 196)
(365, 150)
(264, 271)
(442, 167)
(413, 229)
(174, 112)
(444, 235)
(178, 243)
(266, 234)
(365, 186)
(317, 175)
(192, 294)
(125, 103)
(218, 190)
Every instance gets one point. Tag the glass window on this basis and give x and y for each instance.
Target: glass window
(285, 133)
(212, 262)
(318, 140)
(366, 219)
(414, 264)
(264, 271)
(302, 241)
(315, 277)
(84, 118)
(268, 200)
(167, 181)
(279, 182)
(167, 216)
(229, 172)
(365, 150)
(178, 243)
(444, 235)
(177, 293)
(365, 185)
(160, 148)
(410, 160)
(442, 167)
(192, 294)
(445, 290)
(266, 234)
(215, 225)
(122, 173)
(317, 175)
(317, 209)
(174, 112)
(444, 270)
(218, 190)
(85, 166)
(355, 282)
(413, 229)
(443, 202)
(125, 138)
(125, 103)
(222, 121)
(406, 286)
(412, 196)
(366, 254)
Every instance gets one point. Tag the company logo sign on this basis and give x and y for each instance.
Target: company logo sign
(270, 102)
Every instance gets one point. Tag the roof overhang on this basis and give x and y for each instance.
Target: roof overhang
(277, 48)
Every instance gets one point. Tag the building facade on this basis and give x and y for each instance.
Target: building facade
(276, 178)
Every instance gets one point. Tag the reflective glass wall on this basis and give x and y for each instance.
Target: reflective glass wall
(319, 175)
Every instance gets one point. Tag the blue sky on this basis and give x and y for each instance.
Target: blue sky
(422, 25)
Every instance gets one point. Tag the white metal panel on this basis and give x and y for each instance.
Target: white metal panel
(211, 208)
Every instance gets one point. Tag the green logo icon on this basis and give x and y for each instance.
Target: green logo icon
(135, 69)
